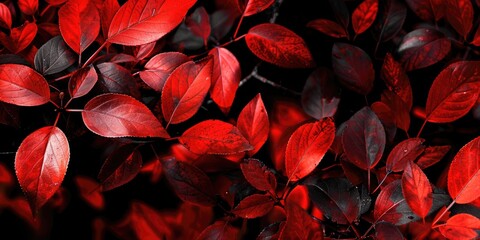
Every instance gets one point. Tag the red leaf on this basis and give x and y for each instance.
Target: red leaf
(307, 146)
(16, 89)
(476, 38)
(427, 10)
(459, 14)
(143, 51)
(462, 226)
(364, 15)
(397, 80)
(28, 7)
(82, 81)
(387, 117)
(320, 95)
(398, 106)
(190, 183)
(253, 123)
(225, 77)
(254, 206)
(432, 155)
(185, 90)
(353, 67)
(159, 68)
(403, 153)
(328, 27)
(143, 21)
(423, 47)
(54, 57)
(5, 16)
(387, 231)
(199, 24)
(364, 139)
(41, 163)
(79, 23)
(120, 167)
(391, 206)
(20, 37)
(116, 115)
(300, 225)
(90, 192)
(391, 18)
(278, 45)
(454, 92)
(255, 6)
(107, 12)
(417, 189)
(464, 173)
(259, 175)
(147, 222)
(114, 78)
(214, 137)
(219, 231)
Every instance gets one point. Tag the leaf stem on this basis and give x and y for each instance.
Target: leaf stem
(381, 182)
(421, 128)
(45, 10)
(95, 54)
(443, 213)
(56, 119)
(62, 77)
(74, 110)
(238, 26)
(54, 104)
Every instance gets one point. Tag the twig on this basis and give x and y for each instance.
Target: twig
(276, 9)
(256, 75)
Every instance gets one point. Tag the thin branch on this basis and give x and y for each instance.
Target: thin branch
(276, 9)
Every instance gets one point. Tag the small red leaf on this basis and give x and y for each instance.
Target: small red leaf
(226, 76)
(139, 22)
(116, 115)
(462, 226)
(107, 12)
(397, 80)
(219, 231)
(403, 153)
(159, 68)
(82, 81)
(5, 16)
(432, 155)
(253, 123)
(41, 163)
(28, 7)
(328, 27)
(53, 57)
(320, 95)
(90, 192)
(20, 37)
(464, 173)
(417, 189)
(364, 15)
(79, 24)
(254, 206)
(17, 89)
(214, 137)
(307, 146)
(259, 175)
(459, 14)
(391, 206)
(185, 90)
(300, 225)
(199, 24)
(454, 92)
(255, 6)
(278, 45)
(120, 167)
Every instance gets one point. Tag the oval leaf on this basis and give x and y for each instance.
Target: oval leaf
(328, 27)
(300, 225)
(397, 80)
(320, 95)
(16, 88)
(391, 206)
(116, 115)
(406, 151)
(226, 76)
(256, 6)
(41, 163)
(120, 167)
(28, 7)
(432, 155)
(364, 15)
(53, 57)
(254, 206)
(459, 14)
(259, 175)
(159, 68)
(399, 107)
(82, 81)
(417, 189)
(278, 45)
(114, 78)
(462, 226)
(5, 16)
(20, 37)
(253, 123)
(307, 146)
(391, 17)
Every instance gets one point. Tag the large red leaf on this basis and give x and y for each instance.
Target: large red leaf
(54, 56)
(320, 95)
(28, 7)
(328, 27)
(278, 45)
(353, 67)
(432, 155)
(364, 15)
(79, 24)
(120, 167)
(454, 92)
(300, 225)
(397, 80)
(41, 163)
(307, 146)
(254, 206)
(185, 90)
(427, 10)
(225, 77)
(259, 175)
(464, 173)
(219, 231)
(117, 115)
(159, 68)
(253, 123)
(459, 14)
(16, 88)
(5, 16)
(20, 37)
(107, 12)
(214, 137)
(364, 139)
(417, 189)
(82, 81)
(254, 6)
(406, 151)
(143, 21)
(462, 226)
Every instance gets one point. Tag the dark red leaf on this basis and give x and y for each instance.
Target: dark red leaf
(120, 167)
(79, 23)
(398, 106)
(462, 226)
(391, 17)
(54, 57)
(341, 12)
(222, 22)
(320, 95)
(432, 155)
(387, 231)
(16, 89)
(107, 12)
(143, 21)
(397, 80)
(190, 183)
(259, 175)
(364, 15)
(255, 6)
(307, 146)
(199, 24)
(82, 81)
(89, 191)
(391, 206)
(464, 173)
(353, 67)
(454, 92)
(144, 51)
(476, 38)
(253, 123)
(254, 206)
(226, 76)
(459, 14)
(416, 189)
(219, 231)
(423, 47)
(214, 137)
(272, 231)
(159, 68)
(300, 225)
(328, 27)
(117, 115)
(20, 37)
(114, 78)
(41, 163)
(147, 222)
(185, 90)
(427, 10)
(28, 7)
(280, 46)
(388, 119)
(5, 16)
(365, 137)
(404, 152)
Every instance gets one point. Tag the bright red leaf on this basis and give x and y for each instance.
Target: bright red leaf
(28, 7)
(280, 46)
(225, 77)
(459, 13)
(252, 7)
(253, 123)
(258, 175)
(117, 115)
(82, 82)
(120, 167)
(5, 16)
(364, 15)
(397, 80)
(16, 88)
(159, 68)
(41, 163)
(254, 206)
(462, 226)
(300, 225)
(320, 95)
(328, 27)
(20, 37)
(404, 152)
(417, 189)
